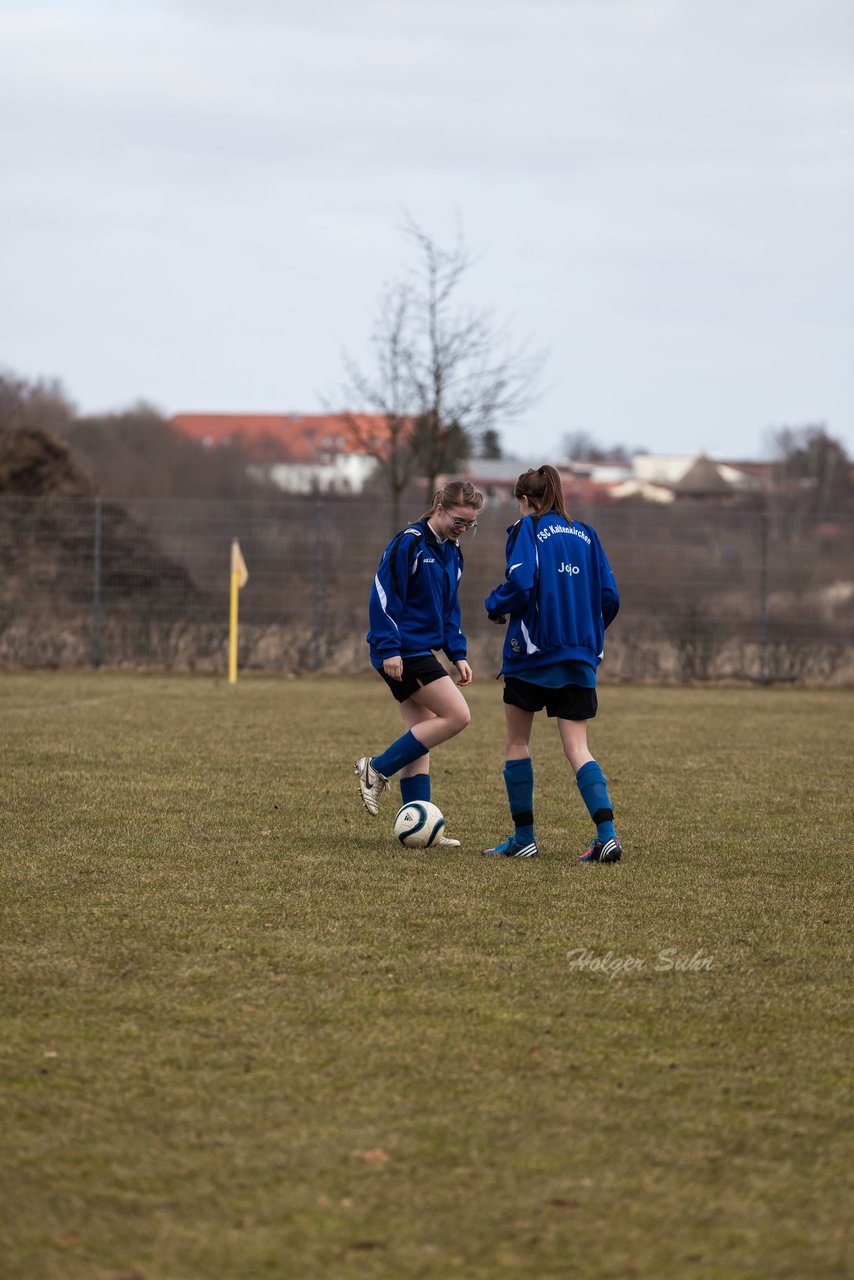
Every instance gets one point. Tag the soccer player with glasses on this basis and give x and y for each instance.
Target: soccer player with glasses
(414, 610)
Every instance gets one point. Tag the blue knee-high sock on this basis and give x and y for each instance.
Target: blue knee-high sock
(415, 788)
(519, 781)
(400, 753)
(594, 792)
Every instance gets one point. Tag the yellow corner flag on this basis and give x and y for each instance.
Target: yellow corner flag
(239, 578)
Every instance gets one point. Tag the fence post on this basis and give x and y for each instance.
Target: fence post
(318, 581)
(96, 589)
(763, 594)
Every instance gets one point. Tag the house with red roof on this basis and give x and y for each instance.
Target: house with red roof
(301, 453)
(337, 453)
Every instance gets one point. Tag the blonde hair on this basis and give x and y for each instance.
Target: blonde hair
(543, 489)
(461, 493)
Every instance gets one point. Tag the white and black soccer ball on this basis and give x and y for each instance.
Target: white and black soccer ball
(418, 824)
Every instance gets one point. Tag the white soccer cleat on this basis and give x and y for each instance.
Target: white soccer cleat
(443, 839)
(372, 784)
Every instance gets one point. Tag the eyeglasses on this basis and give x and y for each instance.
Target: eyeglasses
(460, 523)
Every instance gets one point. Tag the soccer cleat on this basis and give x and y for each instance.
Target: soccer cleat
(603, 851)
(372, 784)
(443, 839)
(508, 848)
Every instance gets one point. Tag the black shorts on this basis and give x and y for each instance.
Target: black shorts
(417, 672)
(572, 702)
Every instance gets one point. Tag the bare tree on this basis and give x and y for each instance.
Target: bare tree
(812, 470)
(581, 446)
(490, 444)
(386, 392)
(445, 373)
(41, 404)
(32, 460)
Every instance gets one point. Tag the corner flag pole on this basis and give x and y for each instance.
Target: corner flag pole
(239, 578)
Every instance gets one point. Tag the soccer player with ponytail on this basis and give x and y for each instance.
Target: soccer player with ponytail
(559, 594)
(414, 609)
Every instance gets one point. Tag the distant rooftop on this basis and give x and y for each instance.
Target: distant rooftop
(293, 437)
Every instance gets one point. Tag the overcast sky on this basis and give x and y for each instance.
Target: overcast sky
(201, 202)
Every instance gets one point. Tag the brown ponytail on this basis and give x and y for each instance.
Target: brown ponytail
(459, 493)
(543, 489)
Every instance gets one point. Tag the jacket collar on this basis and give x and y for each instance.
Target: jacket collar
(431, 538)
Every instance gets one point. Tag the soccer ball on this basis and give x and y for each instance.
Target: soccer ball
(418, 824)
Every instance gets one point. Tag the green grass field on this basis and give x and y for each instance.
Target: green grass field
(244, 1034)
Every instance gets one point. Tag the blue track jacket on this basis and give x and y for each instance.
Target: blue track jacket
(559, 591)
(415, 604)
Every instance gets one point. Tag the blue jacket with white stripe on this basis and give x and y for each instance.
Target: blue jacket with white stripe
(559, 591)
(415, 605)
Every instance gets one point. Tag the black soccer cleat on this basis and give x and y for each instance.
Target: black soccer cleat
(603, 851)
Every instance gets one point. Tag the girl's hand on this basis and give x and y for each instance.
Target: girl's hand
(393, 667)
(465, 672)
(498, 618)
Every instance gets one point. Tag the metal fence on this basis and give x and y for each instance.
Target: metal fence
(708, 593)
